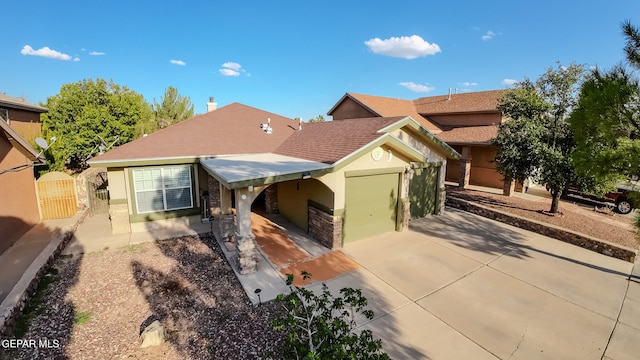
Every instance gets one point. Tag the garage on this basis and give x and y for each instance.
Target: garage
(423, 191)
(371, 205)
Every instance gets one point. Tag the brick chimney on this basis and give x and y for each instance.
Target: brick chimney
(211, 105)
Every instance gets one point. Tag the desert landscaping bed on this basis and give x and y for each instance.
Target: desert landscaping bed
(97, 304)
(602, 224)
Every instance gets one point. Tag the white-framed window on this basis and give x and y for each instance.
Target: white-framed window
(163, 188)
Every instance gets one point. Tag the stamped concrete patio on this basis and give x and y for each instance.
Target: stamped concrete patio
(459, 286)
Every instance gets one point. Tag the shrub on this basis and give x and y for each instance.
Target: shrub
(322, 326)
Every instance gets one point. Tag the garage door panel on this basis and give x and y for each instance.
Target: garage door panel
(371, 205)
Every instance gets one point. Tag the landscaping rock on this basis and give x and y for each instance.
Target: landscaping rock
(153, 335)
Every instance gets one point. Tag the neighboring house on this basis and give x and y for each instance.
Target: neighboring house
(18, 202)
(340, 181)
(467, 122)
(22, 116)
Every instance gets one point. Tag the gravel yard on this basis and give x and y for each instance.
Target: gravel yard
(101, 301)
(605, 225)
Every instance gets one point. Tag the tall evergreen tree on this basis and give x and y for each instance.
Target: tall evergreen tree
(172, 108)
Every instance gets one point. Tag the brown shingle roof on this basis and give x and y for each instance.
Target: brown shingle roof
(232, 129)
(328, 142)
(480, 101)
(469, 135)
(15, 103)
(386, 107)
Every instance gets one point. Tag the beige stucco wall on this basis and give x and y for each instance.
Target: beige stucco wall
(425, 149)
(293, 198)
(117, 188)
(336, 180)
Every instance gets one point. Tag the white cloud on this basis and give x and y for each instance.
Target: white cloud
(229, 72)
(467, 83)
(178, 62)
(97, 53)
(76, 59)
(407, 47)
(232, 69)
(44, 52)
(417, 87)
(509, 82)
(232, 66)
(488, 35)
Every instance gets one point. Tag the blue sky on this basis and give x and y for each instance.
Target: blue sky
(298, 58)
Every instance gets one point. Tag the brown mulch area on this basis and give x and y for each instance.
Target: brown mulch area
(602, 225)
(185, 283)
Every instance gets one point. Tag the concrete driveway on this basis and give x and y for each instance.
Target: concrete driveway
(459, 286)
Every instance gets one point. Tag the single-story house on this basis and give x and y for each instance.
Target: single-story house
(18, 201)
(467, 122)
(340, 181)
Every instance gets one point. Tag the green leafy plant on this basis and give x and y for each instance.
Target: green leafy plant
(322, 326)
(82, 317)
(36, 305)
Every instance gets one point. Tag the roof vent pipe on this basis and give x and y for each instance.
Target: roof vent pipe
(449, 98)
(299, 124)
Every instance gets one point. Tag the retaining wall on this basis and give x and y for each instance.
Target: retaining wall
(572, 237)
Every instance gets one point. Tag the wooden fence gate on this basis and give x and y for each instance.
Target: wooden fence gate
(97, 194)
(57, 196)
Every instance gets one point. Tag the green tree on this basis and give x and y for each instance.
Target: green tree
(606, 122)
(322, 326)
(606, 127)
(87, 113)
(318, 118)
(536, 142)
(172, 108)
(632, 46)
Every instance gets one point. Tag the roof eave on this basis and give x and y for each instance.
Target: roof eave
(266, 179)
(444, 148)
(23, 146)
(383, 139)
(486, 111)
(12, 105)
(145, 161)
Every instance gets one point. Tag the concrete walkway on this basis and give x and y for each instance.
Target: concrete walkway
(459, 286)
(15, 261)
(94, 234)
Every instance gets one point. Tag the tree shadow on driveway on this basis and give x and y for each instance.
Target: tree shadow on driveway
(471, 232)
(483, 235)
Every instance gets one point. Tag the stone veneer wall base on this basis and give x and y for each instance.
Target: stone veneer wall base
(326, 228)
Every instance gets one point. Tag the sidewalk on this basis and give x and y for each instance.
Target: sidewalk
(15, 261)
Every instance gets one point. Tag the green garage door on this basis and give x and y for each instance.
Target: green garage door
(371, 205)
(423, 191)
